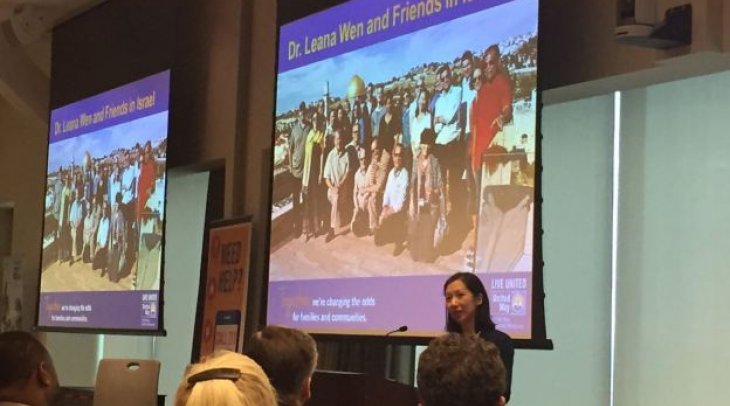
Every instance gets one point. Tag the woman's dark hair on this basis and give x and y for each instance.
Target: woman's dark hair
(482, 318)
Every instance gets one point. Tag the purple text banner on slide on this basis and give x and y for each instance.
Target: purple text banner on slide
(122, 310)
(360, 23)
(383, 304)
(126, 103)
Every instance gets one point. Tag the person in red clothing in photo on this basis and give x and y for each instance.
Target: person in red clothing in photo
(146, 180)
(492, 108)
(490, 111)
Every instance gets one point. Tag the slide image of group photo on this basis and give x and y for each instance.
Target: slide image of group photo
(413, 156)
(104, 209)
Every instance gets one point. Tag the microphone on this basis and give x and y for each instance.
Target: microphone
(400, 329)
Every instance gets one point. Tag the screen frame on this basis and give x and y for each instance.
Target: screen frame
(160, 331)
(289, 11)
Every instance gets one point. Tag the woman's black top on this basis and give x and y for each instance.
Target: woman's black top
(506, 351)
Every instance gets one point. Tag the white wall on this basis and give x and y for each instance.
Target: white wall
(186, 200)
(577, 158)
(75, 357)
(674, 234)
(674, 241)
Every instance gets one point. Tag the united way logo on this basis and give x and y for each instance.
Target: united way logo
(517, 305)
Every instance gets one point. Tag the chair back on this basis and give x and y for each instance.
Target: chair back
(126, 382)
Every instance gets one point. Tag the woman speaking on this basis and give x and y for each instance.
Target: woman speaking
(467, 309)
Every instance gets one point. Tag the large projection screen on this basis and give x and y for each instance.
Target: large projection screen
(104, 216)
(406, 216)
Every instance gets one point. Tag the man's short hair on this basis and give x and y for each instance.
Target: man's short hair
(20, 355)
(458, 370)
(288, 357)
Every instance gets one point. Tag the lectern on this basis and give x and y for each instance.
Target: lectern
(333, 388)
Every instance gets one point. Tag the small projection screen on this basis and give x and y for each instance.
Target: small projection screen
(104, 216)
(404, 151)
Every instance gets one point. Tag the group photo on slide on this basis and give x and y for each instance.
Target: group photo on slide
(104, 208)
(411, 156)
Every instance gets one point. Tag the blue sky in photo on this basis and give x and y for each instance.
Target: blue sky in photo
(100, 143)
(382, 61)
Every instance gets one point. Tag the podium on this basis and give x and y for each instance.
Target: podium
(334, 388)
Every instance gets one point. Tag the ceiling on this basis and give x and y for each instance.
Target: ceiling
(25, 50)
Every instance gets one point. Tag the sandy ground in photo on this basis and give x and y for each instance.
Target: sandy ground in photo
(80, 277)
(350, 256)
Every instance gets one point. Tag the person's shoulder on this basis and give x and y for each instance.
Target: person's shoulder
(502, 341)
(497, 337)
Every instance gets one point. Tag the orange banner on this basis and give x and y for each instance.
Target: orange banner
(226, 287)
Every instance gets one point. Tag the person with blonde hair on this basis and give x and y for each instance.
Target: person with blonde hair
(225, 379)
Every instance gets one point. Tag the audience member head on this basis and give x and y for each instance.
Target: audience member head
(467, 304)
(225, 379)
(288, 357)
(458, 370)
(27, 374)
